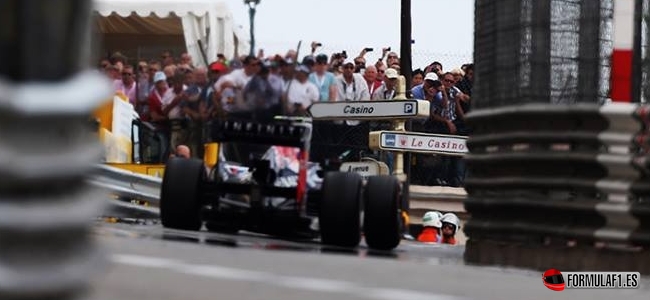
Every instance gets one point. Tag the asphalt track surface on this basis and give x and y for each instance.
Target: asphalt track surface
(147, 262)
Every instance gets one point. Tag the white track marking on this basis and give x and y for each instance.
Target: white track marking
(292, 282)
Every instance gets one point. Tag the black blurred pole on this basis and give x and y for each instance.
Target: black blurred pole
(47, 248)
(405, 67)
(405, 43)
(251, 13)
(30, 25)
(252, 6)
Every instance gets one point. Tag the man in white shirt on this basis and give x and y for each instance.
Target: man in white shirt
(241, 77)
(237, 80)
(351, 86)
(302, 93)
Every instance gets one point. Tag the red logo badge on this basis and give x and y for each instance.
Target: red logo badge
(553, 280)
(402, 140)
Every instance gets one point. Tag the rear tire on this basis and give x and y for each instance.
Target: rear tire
(339, 213)
(382, 219)
(180, 192)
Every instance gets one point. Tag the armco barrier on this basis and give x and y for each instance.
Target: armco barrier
(46, 150)
(549, 179)
(440, 198)
(126, 184)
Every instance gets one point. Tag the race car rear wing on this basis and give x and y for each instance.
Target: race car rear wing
(292, 132)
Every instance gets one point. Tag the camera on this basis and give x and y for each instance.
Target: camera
(387, 48)
(368, 49)
(344, 54)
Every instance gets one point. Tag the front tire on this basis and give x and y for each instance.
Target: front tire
(382, 220)
(339, 214)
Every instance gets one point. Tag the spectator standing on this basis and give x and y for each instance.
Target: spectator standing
(166, 58)
(370, 76)
(465, 86)
(387, 89)
(258, 95)
(126, 85)
(351, 86)
(417, 77)
(192, 106)
(324, 80)
(392, 59)
(301, 92)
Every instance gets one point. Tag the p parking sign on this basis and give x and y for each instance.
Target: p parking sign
(408, 108)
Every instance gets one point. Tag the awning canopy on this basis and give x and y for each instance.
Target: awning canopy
(125, 22)
(162, 8)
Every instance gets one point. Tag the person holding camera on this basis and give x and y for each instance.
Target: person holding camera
(392, 59)
(352, 86)
(336, 63)
(301, 92)
(360, 61)
(435, 67)
(432, 171)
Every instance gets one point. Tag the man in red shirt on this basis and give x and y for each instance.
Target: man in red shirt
(450, 225)
(155, 112)
(431, 231)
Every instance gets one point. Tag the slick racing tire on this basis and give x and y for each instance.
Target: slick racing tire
(382, 220)
(340, 212)
(180, 192)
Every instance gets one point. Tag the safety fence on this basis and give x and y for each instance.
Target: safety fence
(335, 142)
(563, 186)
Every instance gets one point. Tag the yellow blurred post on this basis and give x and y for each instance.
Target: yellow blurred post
(398, 171)
(211, 154)
(104, 113)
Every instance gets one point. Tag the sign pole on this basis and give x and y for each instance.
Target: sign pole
(400, 125)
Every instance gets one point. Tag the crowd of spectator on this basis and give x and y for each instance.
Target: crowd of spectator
(179, 98)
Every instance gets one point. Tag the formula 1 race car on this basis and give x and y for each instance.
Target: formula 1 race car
(269, 196)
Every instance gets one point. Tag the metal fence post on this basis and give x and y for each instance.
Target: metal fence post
(47, 149)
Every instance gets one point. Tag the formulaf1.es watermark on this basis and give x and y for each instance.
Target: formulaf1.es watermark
(557, 281)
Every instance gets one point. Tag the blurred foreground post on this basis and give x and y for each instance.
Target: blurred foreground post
(558, 177)
(405, 67)
(47, 149)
